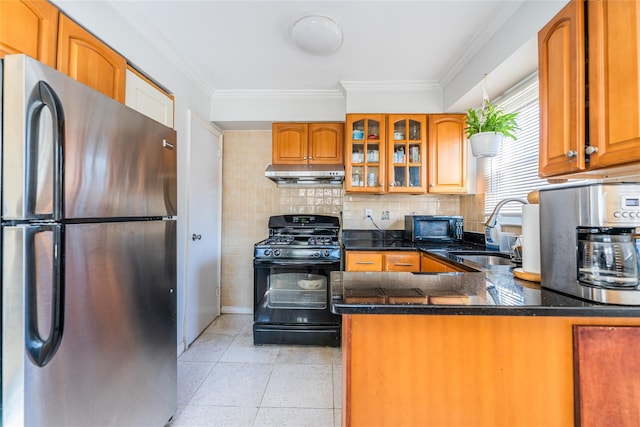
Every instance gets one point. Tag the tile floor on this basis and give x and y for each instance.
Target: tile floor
(224, 380)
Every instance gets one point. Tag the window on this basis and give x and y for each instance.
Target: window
(514, 172)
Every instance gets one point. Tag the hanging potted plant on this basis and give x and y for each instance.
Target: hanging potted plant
(487, 127)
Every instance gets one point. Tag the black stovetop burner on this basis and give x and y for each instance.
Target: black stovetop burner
(301, 236)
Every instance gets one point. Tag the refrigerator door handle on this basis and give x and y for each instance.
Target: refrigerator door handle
(43, 96)
(41, 350)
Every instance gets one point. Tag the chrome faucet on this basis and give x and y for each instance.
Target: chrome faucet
(492, 218)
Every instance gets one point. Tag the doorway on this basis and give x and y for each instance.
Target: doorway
(204, 227)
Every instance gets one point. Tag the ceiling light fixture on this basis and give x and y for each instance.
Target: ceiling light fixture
(317, 34)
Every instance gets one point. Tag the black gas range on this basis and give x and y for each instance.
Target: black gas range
(291, 281)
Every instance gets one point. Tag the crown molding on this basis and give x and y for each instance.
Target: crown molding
(480, 40)
(390, 86)
(274, 93)
(153, 35)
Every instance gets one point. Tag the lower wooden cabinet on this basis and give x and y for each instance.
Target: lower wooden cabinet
(429, 264)
(481, 371)
(363, 261)
(402, 261)
(407, 261)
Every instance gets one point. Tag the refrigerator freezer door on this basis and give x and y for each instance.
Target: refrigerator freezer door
(115, 161)
(116, 363)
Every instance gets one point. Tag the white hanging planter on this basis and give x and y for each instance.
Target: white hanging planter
(486, 144)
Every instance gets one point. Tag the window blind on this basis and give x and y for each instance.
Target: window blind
(514, 172)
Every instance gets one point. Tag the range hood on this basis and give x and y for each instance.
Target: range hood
(305, 175)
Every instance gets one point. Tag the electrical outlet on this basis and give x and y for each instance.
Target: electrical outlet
(367, 213)
(385, 215)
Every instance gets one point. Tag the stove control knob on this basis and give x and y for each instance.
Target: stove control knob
(316, 254)
(276, 252)
(267, 252)
(326, 253)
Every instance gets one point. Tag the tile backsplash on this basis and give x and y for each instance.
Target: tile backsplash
(249, 199)
(397, 205)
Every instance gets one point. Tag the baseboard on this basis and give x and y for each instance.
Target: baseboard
(230, 309)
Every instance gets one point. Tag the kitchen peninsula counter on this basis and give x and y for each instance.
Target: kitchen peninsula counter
(474, 348)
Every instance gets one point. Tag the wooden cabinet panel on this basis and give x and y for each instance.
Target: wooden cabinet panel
(607, 375)
(447, 158)
(326, 143)
(561, 73)
(402, 261)
(290, 142)
(614, 82)
(363, 261)
(29, 27)
(85, 58)
(432, 265)
(483, 371)
(429, 264)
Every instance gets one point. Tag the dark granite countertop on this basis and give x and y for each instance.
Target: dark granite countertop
(390, 240)
(492, 290)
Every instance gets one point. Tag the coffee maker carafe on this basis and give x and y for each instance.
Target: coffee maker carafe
(589, 241)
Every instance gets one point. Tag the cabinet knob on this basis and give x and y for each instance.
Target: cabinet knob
(591, 149)
(571, 154)
(304, 158)
(310, 158)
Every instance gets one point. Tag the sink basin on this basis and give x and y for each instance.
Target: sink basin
(484, 257)
(487, 259)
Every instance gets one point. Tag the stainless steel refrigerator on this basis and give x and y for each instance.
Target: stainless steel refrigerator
(88, 256)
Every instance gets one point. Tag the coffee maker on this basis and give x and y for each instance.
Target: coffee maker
(590, 241)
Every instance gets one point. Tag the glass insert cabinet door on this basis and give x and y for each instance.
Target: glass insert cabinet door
(366, 153)
(406, 154)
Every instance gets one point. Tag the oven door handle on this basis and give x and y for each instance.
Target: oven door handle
(296, 263)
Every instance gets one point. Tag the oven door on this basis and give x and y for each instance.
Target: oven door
(293, 292)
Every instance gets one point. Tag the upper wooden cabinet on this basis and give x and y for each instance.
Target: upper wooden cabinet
(399, 159)
(29, 27)
(146, 97)
(365, 148)
(613, 82)
(406, 153)
(312, 143)
(447, 159)
(85, 58)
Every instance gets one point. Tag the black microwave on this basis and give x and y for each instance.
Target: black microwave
(433, 228)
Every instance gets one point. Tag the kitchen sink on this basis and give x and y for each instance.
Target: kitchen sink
(484, 257)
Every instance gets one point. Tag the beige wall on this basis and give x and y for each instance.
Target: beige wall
(249, 199)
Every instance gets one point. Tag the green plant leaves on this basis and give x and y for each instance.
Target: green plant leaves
(491, 119)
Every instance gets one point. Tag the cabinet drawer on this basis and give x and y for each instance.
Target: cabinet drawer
(363, 261)
(402, 261)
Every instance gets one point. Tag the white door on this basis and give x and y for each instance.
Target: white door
(204, 222)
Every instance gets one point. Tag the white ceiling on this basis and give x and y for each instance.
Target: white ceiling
(245, 45)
